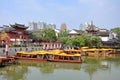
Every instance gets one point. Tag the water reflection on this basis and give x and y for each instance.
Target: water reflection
(13, 72)
(93, 65)
(48, 67)
(98, 65)
(92, 69)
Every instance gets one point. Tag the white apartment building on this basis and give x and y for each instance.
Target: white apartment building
(32, 26)
(40, 25)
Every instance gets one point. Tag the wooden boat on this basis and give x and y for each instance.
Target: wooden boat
(52, 55)
(63, 57)
(98, 52)
(70, 51)
(34, 55)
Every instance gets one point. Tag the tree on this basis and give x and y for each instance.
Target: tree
(78, 41)
(48, 35)
(95, 41)
(63, 33)
(64, 39)
(117, 31)
(86, 37)
(34, 36)
(91, 40)
(4, 36)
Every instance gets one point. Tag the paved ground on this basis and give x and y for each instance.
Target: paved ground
(13, 50)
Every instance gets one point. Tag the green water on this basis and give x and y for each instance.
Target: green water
(92, 69)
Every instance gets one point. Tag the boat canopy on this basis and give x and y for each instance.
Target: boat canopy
(64, 54)
(77, 54)
(41, 52)
(21, 52)
(27, 53)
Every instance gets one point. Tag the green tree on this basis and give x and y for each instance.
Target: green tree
(34, 35)
(48, 35)
(91, 40)
(87, 37)
(117, 31)
(63, 33)
(64, 39)
(78, 41)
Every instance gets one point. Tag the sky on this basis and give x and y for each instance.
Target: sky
(104, 13)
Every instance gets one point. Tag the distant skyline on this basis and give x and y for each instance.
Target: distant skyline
(103, 13)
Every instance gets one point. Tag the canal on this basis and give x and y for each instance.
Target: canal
(91, 69)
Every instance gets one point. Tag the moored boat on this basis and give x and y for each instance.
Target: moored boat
(98, 52)
(63, 57)
(34, 55)
(51, 55)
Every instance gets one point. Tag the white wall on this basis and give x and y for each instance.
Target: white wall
(104, 38)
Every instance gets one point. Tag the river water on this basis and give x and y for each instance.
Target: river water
(91, 69)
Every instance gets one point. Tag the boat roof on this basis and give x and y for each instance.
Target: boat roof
(77, 54)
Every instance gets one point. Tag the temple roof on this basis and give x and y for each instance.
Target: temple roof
(92, 27)
(74, 31)
(8, 29)
(19, 26)
(112, 42)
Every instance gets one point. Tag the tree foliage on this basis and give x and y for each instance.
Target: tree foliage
(63, 33)
(34, 36)
(48, 35)
(82, 40)
(117, 31)
(44, 35)
(91, 40)
(4, 36)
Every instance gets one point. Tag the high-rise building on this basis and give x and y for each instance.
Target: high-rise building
(40, 25)
(32, 26)
(52, 26)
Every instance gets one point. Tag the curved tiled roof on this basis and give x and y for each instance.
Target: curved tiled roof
(8, 29)
(19, 25)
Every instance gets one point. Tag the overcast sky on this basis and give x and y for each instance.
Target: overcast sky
(104, 13)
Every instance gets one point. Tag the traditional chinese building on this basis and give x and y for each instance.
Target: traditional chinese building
(74, 32)
(92, 29)
(17, 33)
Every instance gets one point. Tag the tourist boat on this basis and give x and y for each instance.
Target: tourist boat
(51, 55)
(63, 57)
(34, 55)
(98, 52)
